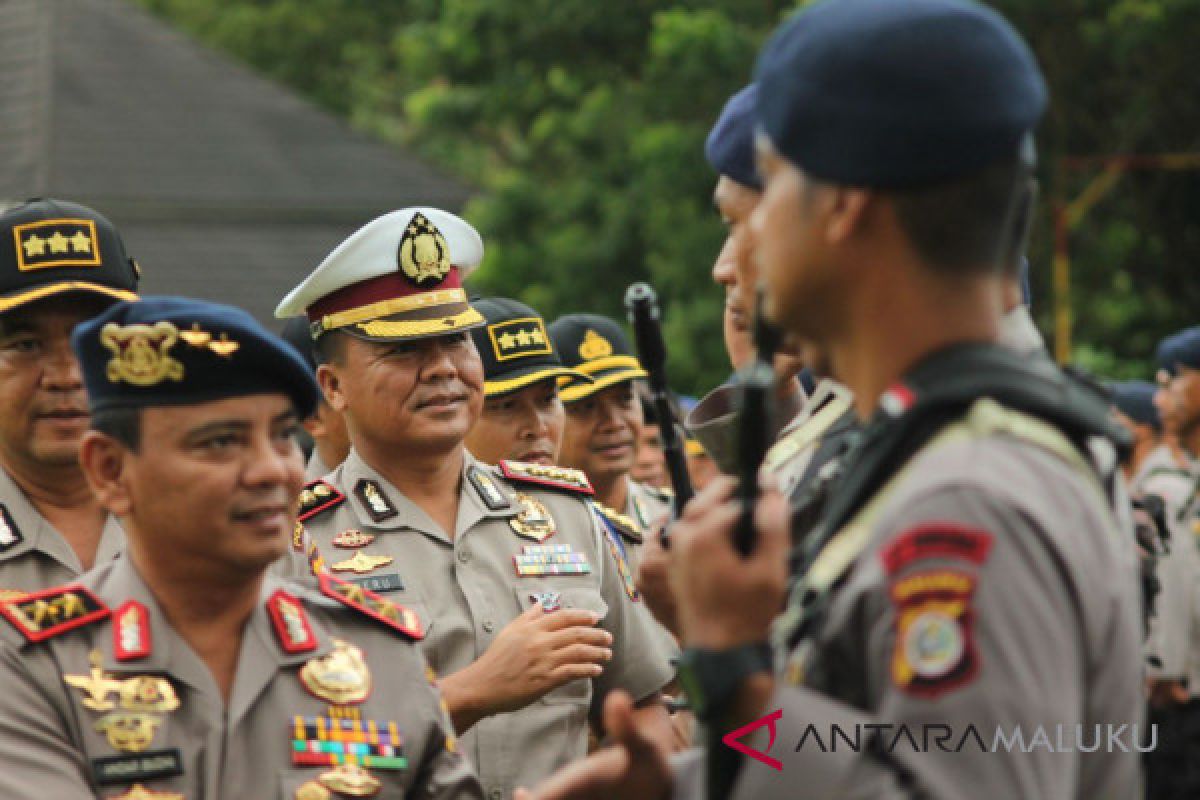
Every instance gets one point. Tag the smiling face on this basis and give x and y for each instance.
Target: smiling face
(601, 433)
(525, 425)
(43, 404)
(422, 395)
(211, 488)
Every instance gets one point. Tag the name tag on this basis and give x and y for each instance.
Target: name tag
(389, 582)
(142, 767)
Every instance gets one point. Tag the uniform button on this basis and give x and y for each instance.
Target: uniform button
(489, 626)
(464, 556)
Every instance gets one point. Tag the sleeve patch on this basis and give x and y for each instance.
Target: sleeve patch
(934, 649)
(936, 540)
(318, 496)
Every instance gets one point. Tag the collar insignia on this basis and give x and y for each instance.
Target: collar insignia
(374, 500)
(131, 632)
(291, 625)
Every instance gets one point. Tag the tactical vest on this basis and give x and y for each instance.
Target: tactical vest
(950, 399)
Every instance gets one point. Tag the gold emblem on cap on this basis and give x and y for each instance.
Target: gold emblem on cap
(140, 353)
(224, 346)
(424, 255)
(350, 779)
(594, 346)
(128, 731)
(57, 243)
(195, 336)
(342, 677)
(362, 563)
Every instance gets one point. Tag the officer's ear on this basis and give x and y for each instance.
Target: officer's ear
(846, 210)
(331, 386)
(104, 459)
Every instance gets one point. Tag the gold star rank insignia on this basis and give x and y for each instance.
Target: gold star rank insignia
(57, 243)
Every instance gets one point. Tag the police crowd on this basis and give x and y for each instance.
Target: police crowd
(480, 584)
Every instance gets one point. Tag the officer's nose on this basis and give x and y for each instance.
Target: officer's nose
(272, 462)
(724, 271)
(61, 370)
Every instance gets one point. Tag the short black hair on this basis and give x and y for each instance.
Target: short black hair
(121, 423)
(968, 224)
(330, 347)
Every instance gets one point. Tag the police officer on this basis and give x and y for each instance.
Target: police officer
(973, 527)
(326, 427)
(604, 420)
(531, 617)
(60, 263)
(522, 417)
(182, 670)
(1172, 770)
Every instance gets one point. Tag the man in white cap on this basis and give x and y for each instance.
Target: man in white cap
(530, 613)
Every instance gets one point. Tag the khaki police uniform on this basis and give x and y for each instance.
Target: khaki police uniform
(789, 458)
(520, 537)
(713, 423)
(1171, 627)
(316, 468)
(33, 555)
(955, 598)
(103, 699)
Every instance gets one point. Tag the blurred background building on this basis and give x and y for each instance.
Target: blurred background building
(225, 186)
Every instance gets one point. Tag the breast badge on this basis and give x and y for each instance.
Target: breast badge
(130, 723)
(533, 521)
(550, 601)
(361, 563)
(139, 792)
(352, 539)
(127, 731)
(350, 779)
(341, 678)
(329, 741)
(311, 790)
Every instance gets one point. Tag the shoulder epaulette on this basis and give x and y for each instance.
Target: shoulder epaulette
(565, 478)
(662, 493)
(42, 615)
(393, 615)
(621, 523)
(318, 496)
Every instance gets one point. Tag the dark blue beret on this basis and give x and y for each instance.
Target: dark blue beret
(167, 351)
(730, 144)
(888, 94)
(1135, 399)
(1180, 349)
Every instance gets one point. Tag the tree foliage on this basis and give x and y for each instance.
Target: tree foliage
(582, 124)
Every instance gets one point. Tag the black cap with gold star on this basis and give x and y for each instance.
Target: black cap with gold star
(597, 347)
(515, 347)
(51, 247)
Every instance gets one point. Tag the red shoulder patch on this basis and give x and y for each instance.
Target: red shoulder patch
(936, 540)
(393, 615)
(316, 497)
(564, 478)
(292, 628)
(42, 615)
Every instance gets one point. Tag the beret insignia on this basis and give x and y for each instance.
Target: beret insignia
(140, 353)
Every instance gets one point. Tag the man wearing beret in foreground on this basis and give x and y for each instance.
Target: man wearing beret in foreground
(967, 580)
(181, 670)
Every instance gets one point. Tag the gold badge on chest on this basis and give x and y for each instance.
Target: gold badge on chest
(350, 779)
(128, 731)
(341, 677)
(352, 539)
(361, 563)
(311, 790)
(139, 792)
(533, 521)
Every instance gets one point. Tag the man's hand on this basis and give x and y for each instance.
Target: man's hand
(724, 600)
(535, 653)
(653, 583)
(634, 767)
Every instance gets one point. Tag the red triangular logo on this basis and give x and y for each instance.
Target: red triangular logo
(731, 739)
